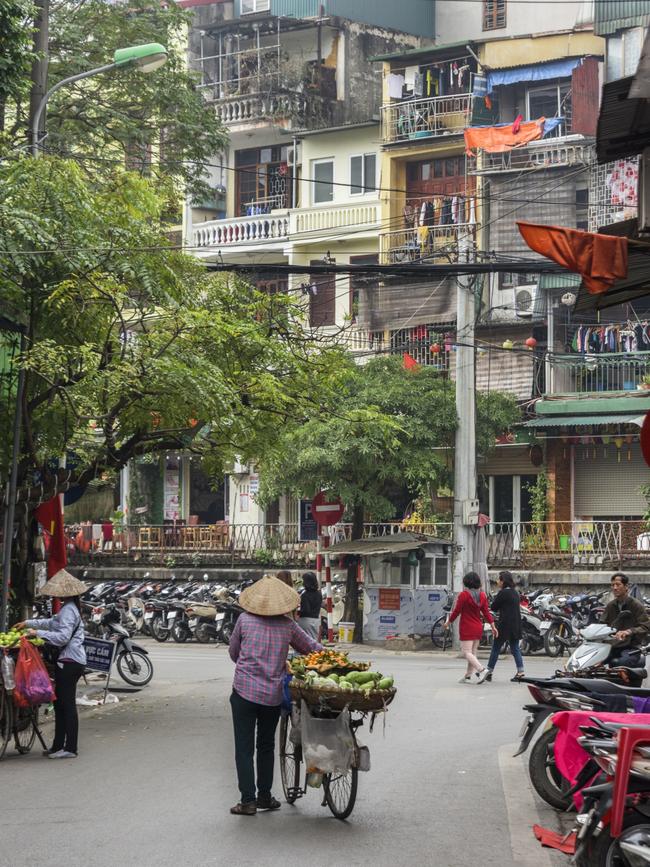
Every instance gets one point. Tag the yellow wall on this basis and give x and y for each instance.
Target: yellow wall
(504, 53)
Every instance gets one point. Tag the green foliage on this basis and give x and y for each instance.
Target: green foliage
(133, 348)
(15, 53)
(538, 491)
(389, 426)
(158, 121)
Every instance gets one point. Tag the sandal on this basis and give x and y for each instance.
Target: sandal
(518, 677)
(248, 809)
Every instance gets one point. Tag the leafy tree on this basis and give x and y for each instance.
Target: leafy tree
(391, 427)
(15, 54)
(159, 122)
(132, 348)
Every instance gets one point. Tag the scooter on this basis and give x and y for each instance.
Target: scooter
(598, 649)
(131, 660)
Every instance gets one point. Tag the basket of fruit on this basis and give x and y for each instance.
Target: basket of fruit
(11, 640)
(326, 662)
(351, 685)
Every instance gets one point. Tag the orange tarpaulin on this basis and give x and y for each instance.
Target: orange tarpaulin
(497, 139)
(601, 260)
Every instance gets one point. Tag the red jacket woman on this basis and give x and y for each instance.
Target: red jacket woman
(472, 608)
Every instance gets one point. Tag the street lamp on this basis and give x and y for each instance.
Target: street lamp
(146, 58)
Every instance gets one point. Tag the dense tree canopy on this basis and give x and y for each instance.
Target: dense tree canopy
(159, 122)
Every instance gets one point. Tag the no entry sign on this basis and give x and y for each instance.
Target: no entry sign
(326, 510)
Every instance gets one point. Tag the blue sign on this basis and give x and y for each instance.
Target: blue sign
(434, 597)
(99, 654)
(387, 619)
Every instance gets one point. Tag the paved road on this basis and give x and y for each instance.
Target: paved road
(155, 779)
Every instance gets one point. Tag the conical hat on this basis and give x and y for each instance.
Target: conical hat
(63, 584)
(268, 597)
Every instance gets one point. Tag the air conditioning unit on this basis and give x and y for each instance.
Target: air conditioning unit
(525, 300)
(239, 469)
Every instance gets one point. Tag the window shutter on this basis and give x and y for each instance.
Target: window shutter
(585, 97)
(322, 305)
(356, 175)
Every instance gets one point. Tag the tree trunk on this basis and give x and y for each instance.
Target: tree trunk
(40, 63)
(352, 613)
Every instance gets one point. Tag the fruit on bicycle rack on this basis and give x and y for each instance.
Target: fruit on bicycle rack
(311, 672)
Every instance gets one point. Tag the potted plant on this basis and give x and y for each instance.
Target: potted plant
(644, 385)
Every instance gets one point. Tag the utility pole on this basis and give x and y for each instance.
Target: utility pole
(40, 64)
(465, 451)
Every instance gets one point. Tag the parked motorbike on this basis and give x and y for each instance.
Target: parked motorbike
(131, 660)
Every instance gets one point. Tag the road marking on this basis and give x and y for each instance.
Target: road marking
(522, 810)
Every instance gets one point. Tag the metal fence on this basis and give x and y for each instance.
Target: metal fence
(426, 118)
(611, 371)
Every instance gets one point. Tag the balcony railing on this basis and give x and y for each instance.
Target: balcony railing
(301, 224)
(567, 544)
(357, 216)
(558, 545)
(545, 154)
(410, 245)
(583, 374)
(426, 118)
(257, 107)
(238, 231)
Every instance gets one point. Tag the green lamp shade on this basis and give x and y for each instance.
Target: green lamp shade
(412, 558)
(145, 57)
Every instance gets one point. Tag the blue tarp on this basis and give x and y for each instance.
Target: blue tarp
(538, 72)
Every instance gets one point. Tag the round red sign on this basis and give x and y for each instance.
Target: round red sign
(645, 438)
(326, 510)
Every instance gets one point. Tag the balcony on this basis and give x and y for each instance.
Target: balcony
(302, 225)
(241, 231)
(322, 218)
(426, 118)
(544, 154)
(412, 245)
(609, 372)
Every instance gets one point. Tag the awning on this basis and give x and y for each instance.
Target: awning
(560, 282)
(536, 72)
(435, 52)
(583, 421)
(392, 544)
(623, 123)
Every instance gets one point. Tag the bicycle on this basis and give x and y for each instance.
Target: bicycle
(339, 789)
(18, 722)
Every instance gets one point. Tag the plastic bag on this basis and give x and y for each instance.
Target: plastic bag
(327, 744)
(8, 671)
(33, 684)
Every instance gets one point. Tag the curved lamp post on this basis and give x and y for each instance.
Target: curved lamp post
(146, 58)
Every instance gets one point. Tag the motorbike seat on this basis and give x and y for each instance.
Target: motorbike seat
(607, 687)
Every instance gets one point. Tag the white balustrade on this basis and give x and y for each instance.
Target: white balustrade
(238, 231)
(353, 216)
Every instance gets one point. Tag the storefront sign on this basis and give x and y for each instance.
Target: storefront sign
(99, 654)
(389, 598)
(254, 483)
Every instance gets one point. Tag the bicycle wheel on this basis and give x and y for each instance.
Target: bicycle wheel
(25, 722)
(440, 637)
(6, 722)
(341, 792)
(134, 667)
(290, 759)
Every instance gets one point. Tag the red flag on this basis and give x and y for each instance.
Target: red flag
(409, 362)
(49, 516)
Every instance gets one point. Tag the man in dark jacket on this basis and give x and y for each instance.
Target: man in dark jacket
(627, 614)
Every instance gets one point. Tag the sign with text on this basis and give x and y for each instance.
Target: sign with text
(389, 598)
(99, 654)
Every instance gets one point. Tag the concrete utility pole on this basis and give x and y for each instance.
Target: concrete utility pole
(465, 452)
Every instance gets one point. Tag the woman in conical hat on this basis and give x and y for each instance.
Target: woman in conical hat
(65, 632)
(259, 646)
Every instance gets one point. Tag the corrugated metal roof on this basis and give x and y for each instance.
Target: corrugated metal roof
(623, 123)
(613, 15)
(386, 544)
(428, 50)
(583, 420)
(565, 282)
(412, 16)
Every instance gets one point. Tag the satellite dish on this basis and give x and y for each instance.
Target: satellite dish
(568, 299)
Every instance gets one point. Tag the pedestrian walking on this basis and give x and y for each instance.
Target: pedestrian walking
(65, 633)
(311, 602)
(472, 608)
(507, 605)
(259, 646)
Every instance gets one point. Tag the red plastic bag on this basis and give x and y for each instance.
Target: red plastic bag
(33, 684)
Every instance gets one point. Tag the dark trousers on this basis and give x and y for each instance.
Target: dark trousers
(497, 644)
(66, 721)
(246, 716)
